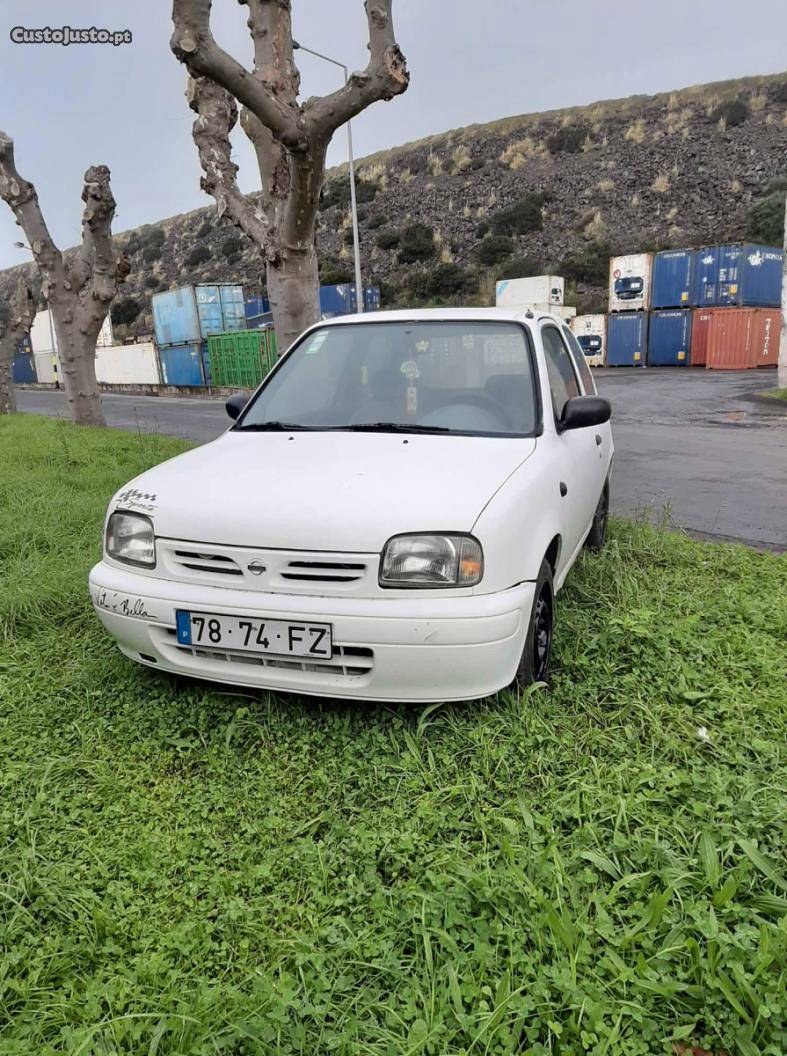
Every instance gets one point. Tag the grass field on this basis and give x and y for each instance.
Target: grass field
(594, 869)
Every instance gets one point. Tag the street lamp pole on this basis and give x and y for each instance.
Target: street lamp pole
(353, 204)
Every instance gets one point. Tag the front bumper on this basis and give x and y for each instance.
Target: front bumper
(408, 649)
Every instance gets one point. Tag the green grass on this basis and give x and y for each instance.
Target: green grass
(775, 394)
(187, 869)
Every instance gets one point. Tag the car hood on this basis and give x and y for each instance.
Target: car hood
(323, 491)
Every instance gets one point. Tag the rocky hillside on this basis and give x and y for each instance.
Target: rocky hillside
(559, 191)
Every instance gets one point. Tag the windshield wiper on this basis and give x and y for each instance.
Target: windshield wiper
(394, 427)
(270, 427)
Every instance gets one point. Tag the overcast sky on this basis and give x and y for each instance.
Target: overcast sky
(470, 61)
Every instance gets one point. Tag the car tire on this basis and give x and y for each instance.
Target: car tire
(597, 535)
(536, 654)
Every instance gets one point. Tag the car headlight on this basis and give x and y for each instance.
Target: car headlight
(431, 561)
(130, 538)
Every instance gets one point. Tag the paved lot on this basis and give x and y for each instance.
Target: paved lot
(694, 448)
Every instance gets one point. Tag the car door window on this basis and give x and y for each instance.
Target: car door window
(580, 362)
(563, 381)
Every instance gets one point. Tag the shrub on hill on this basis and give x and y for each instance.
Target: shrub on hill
(416, 243)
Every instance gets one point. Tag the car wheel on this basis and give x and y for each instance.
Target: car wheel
(534, 665)
(597, 535)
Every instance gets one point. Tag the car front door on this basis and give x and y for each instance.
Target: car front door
(575, 449)
(602, 434)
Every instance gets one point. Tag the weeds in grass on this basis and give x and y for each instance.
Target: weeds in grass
(191, 870)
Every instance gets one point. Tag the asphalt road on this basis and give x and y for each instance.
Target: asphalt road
(695, 449)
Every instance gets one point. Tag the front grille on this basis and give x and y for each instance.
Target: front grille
(324, 571)
(268, 571)
(347, 662)
(212, 564)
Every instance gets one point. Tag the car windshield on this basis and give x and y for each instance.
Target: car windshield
(471, 378)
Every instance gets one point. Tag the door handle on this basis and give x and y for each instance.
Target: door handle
(598, 439)
(563, 489)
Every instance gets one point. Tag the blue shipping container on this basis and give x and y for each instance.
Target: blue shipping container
(23, 369)
(182, 364)
(334, 300)
(627, 339)
(175, 318)
(191, 313)
(745, 275)
(672, 282)
(669, 338)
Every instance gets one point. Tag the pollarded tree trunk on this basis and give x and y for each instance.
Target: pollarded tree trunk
(293, 290)
(16, 318)
(79, 291)
(290, 138)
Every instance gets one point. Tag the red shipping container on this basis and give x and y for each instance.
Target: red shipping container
(700, 329)
(742, 338)
(765, 331)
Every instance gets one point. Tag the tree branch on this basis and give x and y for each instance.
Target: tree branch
(385, 76)
(23, 308)
(22, 198)
(193, 44)
(270, 25)
(97, 257)
(217, 114)
(15, 321)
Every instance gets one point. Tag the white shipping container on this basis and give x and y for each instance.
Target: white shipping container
(564, 311)
(42, 335)
(538, 289)
(45, 367)
(629, 282)
(128, 364)
(105, 335)
(591, 332)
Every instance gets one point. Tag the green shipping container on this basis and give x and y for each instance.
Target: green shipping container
(242, 358)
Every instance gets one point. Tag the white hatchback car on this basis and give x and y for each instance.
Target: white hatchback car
(389, 518)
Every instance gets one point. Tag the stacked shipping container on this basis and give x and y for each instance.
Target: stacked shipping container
(730, 278)
(629, 300)
(183, 319)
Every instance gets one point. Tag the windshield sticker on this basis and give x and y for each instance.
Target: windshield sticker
(131, 499)
(316, 343)
(410, 370)
(412, 400)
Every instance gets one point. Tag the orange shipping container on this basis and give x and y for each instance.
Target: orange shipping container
(742, 338)
(765, 337)
(700, 329)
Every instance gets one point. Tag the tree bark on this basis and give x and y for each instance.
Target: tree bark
(781, 380)
(15, 321)
(290, 139)
(80, 292)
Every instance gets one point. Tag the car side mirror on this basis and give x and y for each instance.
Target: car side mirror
(236, 403)
(583, 411)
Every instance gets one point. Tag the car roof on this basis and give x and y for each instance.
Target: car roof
(412, 315)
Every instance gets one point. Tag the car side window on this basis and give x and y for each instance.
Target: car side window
(563, 382)
(588, 384)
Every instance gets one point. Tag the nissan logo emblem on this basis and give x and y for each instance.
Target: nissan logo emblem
(256, 568)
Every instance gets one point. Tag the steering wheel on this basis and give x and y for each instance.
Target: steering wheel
(486, 403)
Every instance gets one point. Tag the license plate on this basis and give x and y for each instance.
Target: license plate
(210, 630)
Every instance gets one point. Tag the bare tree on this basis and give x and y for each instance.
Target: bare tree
(290, 138)
(16, 318)
(79, 290)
